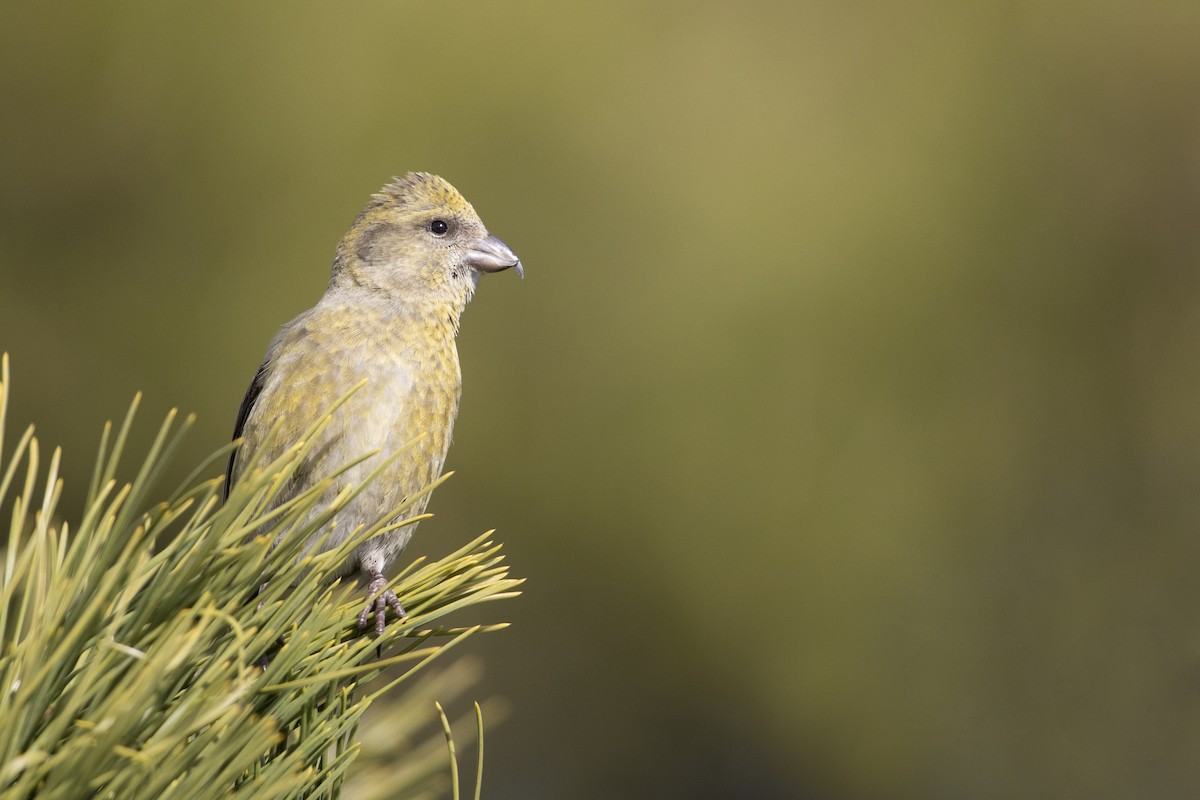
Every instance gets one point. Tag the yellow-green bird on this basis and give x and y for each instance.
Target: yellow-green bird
(401, 278)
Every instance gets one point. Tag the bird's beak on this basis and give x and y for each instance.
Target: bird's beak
(490, 254)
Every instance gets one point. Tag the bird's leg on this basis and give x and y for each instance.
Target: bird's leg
(379, 606)
(264, 660)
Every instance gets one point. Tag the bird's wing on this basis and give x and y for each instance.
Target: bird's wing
(256, 387)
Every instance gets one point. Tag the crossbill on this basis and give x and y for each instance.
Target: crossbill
(401, 277)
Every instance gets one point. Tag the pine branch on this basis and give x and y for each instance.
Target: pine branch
(140, 658)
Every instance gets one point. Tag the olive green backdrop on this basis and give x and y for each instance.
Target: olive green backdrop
(845, 425)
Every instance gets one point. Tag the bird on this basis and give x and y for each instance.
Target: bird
(402, 276)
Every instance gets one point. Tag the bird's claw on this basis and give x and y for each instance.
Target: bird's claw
(379, 605)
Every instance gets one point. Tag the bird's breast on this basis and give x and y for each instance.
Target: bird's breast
(405, 409)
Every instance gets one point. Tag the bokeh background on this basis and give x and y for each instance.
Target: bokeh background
(846, 426)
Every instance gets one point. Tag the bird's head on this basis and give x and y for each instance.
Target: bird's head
(420, 240)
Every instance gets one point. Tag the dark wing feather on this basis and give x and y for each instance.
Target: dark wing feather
(256, 387)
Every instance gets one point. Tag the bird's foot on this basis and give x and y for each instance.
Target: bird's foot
(264, 661)
(379, 605)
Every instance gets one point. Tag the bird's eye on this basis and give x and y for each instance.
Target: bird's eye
(438, 227)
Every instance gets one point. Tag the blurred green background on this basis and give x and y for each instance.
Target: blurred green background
(845, 426)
